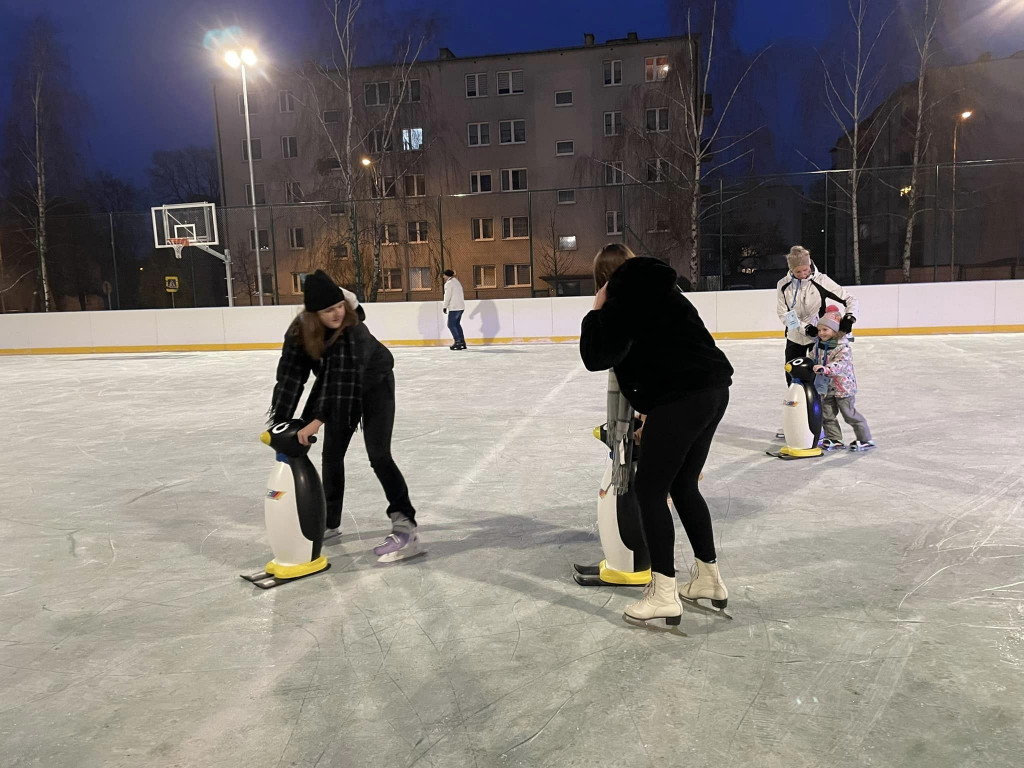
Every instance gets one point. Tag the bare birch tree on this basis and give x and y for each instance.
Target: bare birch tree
(924, 37)
(849, 92)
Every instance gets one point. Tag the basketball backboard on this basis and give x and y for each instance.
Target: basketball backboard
(195, 221)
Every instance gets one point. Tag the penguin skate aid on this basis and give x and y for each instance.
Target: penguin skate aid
(293, 509)
(668, 367)
(354, 384)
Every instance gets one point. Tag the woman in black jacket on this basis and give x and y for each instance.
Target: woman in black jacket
(669, 368)
(355, 381)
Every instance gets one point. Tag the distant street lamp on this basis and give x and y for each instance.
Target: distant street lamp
(963, 116)
(239, 60)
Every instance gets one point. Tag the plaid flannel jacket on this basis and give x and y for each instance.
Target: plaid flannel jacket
(335, 397)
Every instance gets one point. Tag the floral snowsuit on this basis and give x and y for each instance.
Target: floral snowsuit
(842, 389)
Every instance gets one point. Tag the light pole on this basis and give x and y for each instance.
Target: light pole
(237, 60)
(963, 116)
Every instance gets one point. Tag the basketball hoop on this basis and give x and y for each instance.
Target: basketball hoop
(178, 243)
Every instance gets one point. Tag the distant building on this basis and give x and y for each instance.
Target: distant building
(535, 143)
(989, 196)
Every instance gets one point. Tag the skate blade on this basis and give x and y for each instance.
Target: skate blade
(658, 624)
(587, 570)
(264, 580)
(692, 603)
(595, 581)
(400, 556)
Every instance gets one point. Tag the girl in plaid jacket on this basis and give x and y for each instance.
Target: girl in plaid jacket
(355, 382)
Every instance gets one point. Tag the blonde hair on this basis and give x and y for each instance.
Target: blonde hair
(798, 257)
(308, 329)
(608, 259)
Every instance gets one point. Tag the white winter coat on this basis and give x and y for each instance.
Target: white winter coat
(809, 303)
(454, 298)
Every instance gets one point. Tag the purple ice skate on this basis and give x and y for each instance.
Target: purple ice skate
(398, 546)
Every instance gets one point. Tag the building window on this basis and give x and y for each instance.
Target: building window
(340, 251)
(417, 231)
(389, 234)
(512, 132)
(391, 279)
(412, 91)
(332, 116)
(567, 242)
(657, 120)
(515, 227)
(264, 240)
(254, 103)
(380, 141)
(513, 179)
(419, 279)
(655, 68)
(298, 281)
(289, 146)
(376, 94)
(286, 101)
(613, 72)
(613, 222)
(257, 150)
(296, 238)
(415, 185)
(261, 194)
(483, 229)
(660, 225)
(657, 169)
(613, 172)
(564, 148)
(476, 85)
(383, 186)
(484, 276)
(612, 123)
(331, 164)
(292, 192)
(517, 275)
(479, 134)
(479, 181)
(566, 196)
(412, 139)
(336, 209)
(563, 98)
(510, 82)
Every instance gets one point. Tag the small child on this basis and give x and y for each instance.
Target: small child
(834, 359)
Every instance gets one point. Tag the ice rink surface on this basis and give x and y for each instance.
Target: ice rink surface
(878, 598)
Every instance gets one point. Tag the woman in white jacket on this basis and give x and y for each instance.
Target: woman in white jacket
(803, 295)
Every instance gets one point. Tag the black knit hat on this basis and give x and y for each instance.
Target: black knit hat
(320, 292)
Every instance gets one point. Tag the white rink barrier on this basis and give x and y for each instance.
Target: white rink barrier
(921, 308)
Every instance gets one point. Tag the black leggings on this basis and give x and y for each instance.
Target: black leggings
(378, 423)
(676, 439)
(793, 351)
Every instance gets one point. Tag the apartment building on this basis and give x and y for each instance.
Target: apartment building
(513, 169)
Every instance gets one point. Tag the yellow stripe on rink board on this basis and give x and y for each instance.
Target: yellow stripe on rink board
(726, 335)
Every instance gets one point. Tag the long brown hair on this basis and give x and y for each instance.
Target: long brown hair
(608, 259)
(310, 331)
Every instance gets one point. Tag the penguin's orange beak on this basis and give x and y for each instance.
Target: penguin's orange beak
(265, 438)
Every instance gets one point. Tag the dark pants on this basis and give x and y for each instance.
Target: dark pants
(378, 423)
(793, 351)
(455, 325)
(676, 439)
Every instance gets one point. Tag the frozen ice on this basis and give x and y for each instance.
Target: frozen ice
(878, 598)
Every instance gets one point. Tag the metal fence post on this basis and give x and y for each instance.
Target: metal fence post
(529, 223)
(113, 259)
(273, 255)
(824, 265)
(440, 232)
(721, 234)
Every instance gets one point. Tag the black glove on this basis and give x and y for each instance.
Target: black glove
(811, 330)
(846, 324)
(445, 310)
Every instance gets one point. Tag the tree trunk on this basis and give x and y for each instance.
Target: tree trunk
(41, 242)
(918, 129)
(694, 265)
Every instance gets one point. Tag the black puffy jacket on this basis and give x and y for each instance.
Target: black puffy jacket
(653, 337)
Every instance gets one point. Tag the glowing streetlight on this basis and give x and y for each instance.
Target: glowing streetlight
(964, 116)
(366, 162)
(240, 61)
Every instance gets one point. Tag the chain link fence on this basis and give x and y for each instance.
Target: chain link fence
(967, 226)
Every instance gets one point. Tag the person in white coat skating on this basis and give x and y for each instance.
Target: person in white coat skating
(454, 306)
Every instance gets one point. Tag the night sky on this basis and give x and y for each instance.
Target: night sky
(145, 75)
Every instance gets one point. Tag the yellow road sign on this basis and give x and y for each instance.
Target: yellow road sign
(171, 283)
